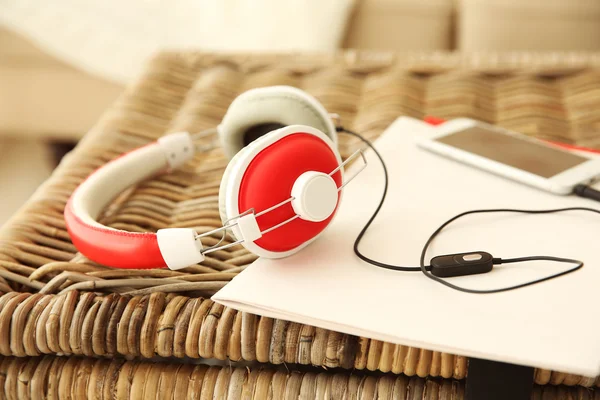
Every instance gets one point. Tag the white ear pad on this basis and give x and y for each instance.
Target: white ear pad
(225, 180)
(285, 105)
(231, 166)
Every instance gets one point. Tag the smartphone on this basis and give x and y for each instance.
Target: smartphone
(511, 155)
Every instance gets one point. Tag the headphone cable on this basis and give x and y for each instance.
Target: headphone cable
(376, 212)
(426, 269)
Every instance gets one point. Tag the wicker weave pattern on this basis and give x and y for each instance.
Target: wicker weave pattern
(79, 378)
(551, 99)
(179, 326)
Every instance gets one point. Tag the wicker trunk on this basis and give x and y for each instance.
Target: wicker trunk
(56, 302)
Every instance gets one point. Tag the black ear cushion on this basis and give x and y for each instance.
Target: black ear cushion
(257, 131)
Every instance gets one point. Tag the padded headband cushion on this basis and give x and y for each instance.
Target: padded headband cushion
(118, 248)
(283, 105)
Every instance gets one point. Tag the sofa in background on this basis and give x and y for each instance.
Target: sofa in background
(42, 96)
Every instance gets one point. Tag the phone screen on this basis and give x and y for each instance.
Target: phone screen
(509, 149)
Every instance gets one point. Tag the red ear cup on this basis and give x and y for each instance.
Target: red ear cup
(264, 174)
(269, 179)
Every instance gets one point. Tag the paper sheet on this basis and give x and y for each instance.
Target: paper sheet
(552, 325)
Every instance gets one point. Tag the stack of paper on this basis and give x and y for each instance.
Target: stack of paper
(551, 325)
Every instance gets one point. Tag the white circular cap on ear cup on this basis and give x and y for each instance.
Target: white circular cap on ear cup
(315, 196)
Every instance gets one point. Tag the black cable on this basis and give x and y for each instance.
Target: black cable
(498, 261)
(374, 215)
(426, 269)
(582, 190)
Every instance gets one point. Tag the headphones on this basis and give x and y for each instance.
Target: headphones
(280, 190)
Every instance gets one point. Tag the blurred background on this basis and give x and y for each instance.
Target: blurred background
(63, 62)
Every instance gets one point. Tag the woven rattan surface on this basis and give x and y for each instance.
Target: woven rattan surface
(56, 301)
(77, 378)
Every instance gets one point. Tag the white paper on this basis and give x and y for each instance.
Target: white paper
(552, 325)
